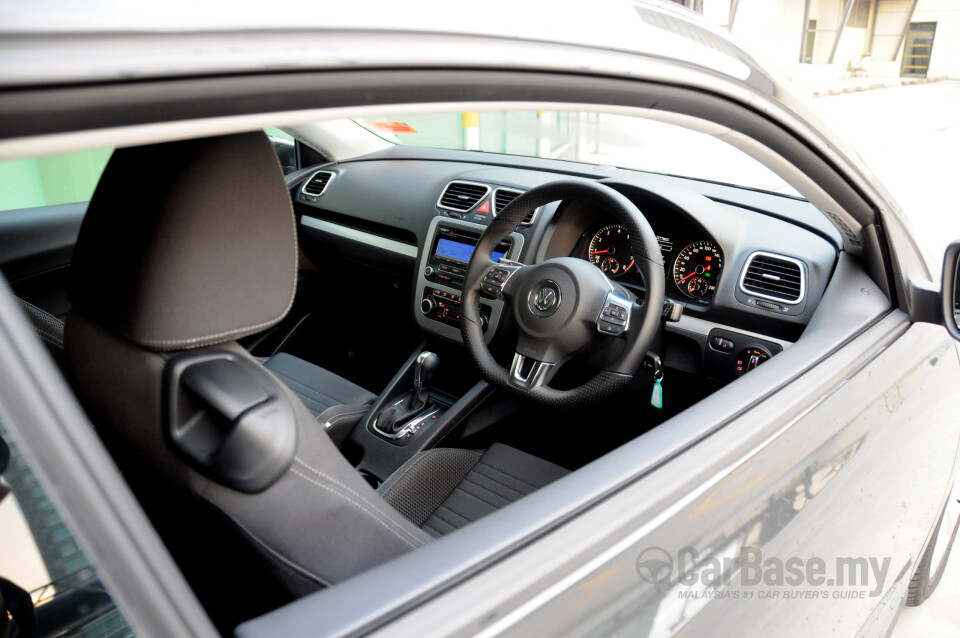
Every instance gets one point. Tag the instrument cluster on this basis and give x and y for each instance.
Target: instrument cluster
(694, 268)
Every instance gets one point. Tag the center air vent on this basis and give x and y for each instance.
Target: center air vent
(774, 277)
(504, 196)
(317, 183)
(462, 196)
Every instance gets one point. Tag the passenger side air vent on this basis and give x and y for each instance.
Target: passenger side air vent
(774, 277)
(503, 197)
(462, 196)
(317, 183)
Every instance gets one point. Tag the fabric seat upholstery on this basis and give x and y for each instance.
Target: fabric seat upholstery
(441, 490)
(319, 389)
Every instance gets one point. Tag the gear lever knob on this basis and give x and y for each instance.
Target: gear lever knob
(426, 367)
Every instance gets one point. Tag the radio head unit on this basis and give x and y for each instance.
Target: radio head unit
(443, 265)
(451, 248)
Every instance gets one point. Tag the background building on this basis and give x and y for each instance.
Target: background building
(813, 41)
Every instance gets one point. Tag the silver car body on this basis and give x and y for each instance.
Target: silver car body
(847, 447)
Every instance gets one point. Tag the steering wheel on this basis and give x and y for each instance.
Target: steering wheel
(563, 305)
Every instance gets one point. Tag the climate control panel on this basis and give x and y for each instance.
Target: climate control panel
(444, 306)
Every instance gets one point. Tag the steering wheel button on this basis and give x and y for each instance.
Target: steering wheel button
(491, 289)
(610, 328)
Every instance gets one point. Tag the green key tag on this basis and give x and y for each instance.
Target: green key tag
(656, 397)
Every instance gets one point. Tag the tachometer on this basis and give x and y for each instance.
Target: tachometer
(610, 250)
(697, 269)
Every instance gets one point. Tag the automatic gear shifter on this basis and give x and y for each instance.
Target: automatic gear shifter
(425, 367)
(393, 418)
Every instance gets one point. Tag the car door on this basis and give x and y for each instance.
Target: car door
(822, 446)
(846, 492)
(805, 511)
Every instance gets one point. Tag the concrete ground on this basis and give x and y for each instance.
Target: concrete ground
(910, 138)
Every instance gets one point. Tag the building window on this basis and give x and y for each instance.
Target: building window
(693, 5)
(860, 14)
(810, 38)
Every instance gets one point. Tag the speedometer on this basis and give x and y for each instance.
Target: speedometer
(697, 269)
(610, 250)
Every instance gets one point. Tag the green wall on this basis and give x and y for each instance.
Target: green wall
(53, 179)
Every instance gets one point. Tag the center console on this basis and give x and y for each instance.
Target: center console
(443, 264)
(418, 409)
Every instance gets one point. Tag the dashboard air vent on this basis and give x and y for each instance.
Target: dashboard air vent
(317, 183)
(462, 196)
(503, 197)
(774, 277)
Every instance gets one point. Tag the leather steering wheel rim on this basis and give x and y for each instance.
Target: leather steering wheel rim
(639, 337)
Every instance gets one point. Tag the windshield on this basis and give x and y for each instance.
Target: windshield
(594, 138)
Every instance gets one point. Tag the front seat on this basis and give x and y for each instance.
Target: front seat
(186, 247)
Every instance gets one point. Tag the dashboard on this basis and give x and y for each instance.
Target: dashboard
(747, 267)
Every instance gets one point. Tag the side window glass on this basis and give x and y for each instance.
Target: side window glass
(48, 587)
(52, 179)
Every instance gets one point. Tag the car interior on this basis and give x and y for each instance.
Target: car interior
(303, 376)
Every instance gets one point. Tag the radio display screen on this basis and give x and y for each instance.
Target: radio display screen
(459, 250)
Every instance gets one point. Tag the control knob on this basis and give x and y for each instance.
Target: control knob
(749, 358)
(427, 306)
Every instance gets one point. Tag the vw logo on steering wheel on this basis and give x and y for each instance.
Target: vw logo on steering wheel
(545, 298)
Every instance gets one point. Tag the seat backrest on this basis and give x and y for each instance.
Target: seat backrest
(208, 257)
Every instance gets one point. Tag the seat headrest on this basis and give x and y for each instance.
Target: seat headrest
(188, 244)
